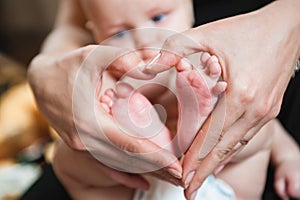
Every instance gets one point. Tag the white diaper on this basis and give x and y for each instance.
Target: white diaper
(212, 189)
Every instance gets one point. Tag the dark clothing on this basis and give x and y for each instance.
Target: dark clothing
(290, 109)
(47, 187)
(211, 10)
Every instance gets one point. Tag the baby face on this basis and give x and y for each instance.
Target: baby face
(115, 19)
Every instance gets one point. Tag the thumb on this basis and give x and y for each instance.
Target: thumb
(175, 48)
(130, 64)
(118, 61)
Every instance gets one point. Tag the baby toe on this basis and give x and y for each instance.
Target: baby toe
(204, 58)
(105, 107)
(110, 93)
(219, 88)
(183, 65)
(214, 67)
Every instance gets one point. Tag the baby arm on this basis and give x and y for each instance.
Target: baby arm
(249, 166)
(285, 155)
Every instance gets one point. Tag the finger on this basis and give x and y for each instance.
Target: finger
(140, 163)
(287, 185)
(210, 133)
(175, 48)
(97, 174)
(95, 127)
(132, 154)
(78, 55)
(117, 60)
(222, 118)
(237, 152)
(218, 154)
(129, 153)
(228, 147)
(161, 174)
(208, 137)
(129, 64)
(130, 180)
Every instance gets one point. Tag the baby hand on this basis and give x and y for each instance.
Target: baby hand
(287, 179)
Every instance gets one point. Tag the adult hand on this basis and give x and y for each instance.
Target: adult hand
(257, 52)
(65, 88)
(96, 177)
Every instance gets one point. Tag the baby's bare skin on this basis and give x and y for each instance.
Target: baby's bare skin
(197, 94)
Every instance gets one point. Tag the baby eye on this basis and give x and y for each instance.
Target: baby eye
(158, 18)
(120, 34)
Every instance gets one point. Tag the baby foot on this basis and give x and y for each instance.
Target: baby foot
(197, 92)
(135, 115)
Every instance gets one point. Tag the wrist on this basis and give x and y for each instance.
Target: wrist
(291, 16)
(282, 19)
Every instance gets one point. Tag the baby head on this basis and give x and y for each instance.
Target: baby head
(114, 19)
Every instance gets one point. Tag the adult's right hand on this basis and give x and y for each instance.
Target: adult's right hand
(257, 52)
(65, 87)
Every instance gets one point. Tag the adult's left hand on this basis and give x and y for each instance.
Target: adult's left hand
(97, 176)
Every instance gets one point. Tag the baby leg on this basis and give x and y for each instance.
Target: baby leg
(197, 92)
(135, 115)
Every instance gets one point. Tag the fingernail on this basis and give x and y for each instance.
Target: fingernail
(175, 173)
(193, 196)
(189, 179)
(149, 65)
(153, 60)
(176, 182)
(205, 56)
(142, 67)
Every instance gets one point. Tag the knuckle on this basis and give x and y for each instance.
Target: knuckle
(262, 110)
(199, 159)
(275, 110)
(60, 61)
(174, 45)
(170, 42)
(35, 62)
(246, 96)
(220, 154)
(132, 147)
(36, 65)
(126, 61)
(85, 51)
(127, 148)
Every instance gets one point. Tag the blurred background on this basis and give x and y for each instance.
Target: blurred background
(24, 135)
(23, 26)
